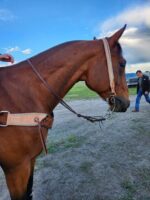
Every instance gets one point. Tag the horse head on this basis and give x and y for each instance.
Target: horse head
(97, 76)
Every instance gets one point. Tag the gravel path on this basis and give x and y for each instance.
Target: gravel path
(87, 162)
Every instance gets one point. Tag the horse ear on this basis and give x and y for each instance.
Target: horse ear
(116, 36)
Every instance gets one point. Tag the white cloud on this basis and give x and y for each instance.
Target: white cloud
(12, 49)
(139, 66)
(26, 51)
(6, 15)
(136, 39)
(18, 49)
(134, 16)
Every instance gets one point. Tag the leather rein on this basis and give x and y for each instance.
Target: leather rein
(63, 103)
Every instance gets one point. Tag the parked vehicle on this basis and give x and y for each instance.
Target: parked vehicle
(132, 82)
(147, 73)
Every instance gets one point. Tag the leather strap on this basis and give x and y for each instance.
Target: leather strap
(41, 120)
(45, 123)
(109, 65)
(23, 119)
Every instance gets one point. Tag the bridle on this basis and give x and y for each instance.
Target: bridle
(111, 98)
(109, 65)
(62, 102)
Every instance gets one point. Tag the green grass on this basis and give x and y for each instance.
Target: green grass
(144, 176)
(130, 190)
(81, 91)
(86, 166)
(72, 141)
(132, 91)
(128, 186)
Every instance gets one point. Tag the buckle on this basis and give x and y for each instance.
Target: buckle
(4, 112)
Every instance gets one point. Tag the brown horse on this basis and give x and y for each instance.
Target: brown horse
(21, 91)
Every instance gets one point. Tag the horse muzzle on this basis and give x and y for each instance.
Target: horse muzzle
(118, 104)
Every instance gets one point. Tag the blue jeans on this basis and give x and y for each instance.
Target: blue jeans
(138, 98)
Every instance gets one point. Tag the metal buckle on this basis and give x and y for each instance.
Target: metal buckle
(3, 112)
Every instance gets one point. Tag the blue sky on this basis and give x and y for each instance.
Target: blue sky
(29, 27)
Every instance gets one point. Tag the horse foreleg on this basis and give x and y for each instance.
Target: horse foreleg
(17, 180)
(29, 188)
(30, 181)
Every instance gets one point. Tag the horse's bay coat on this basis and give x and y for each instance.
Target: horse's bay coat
(22, 92)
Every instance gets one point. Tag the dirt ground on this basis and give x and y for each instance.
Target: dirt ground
(86, 162)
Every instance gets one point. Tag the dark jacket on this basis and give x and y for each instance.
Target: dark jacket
(145, 84)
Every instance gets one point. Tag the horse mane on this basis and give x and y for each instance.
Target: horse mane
(52, 49)
(56, 48)
(64, 51)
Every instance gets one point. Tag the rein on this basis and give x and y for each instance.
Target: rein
(63, 103)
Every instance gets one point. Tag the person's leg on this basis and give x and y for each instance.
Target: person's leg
(137, 102)
(147, 98)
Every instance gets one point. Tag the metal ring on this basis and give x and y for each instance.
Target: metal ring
(1, 112)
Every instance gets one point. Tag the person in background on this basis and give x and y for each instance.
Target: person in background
(143, 88)
(6, 58)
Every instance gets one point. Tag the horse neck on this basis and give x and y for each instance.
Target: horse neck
(64, 68)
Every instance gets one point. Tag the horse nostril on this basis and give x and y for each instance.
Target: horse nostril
(111, 100)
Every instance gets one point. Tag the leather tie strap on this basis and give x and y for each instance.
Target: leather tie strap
(41, 135)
